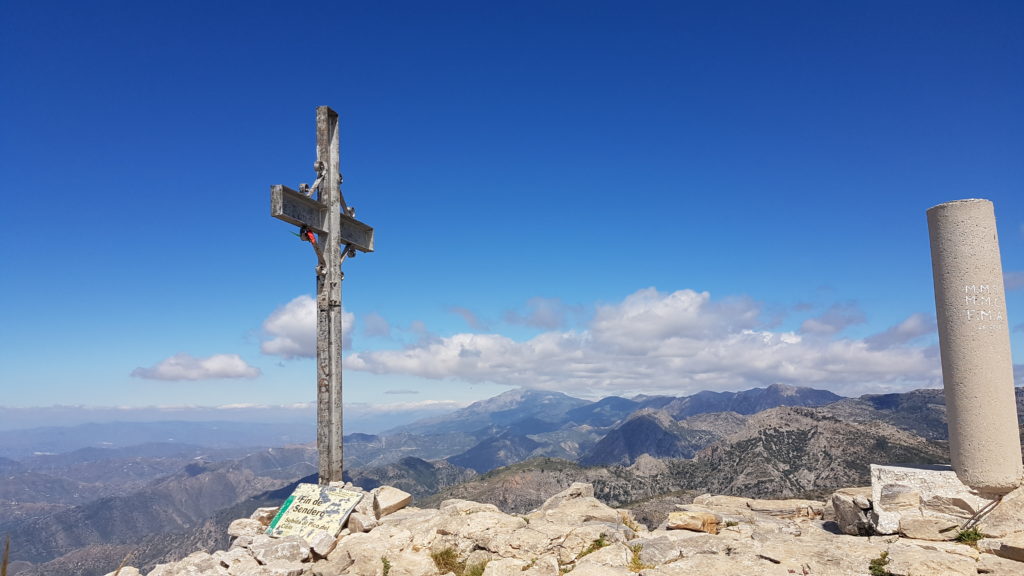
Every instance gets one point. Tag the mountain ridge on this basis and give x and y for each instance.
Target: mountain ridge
(780, 452)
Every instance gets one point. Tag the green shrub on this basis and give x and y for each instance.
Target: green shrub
(969, 536)
(635, 563)
(596, 545)
(877, 566)
(447, 560)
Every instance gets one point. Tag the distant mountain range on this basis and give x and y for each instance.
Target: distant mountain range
(613, 430)
(80, 512)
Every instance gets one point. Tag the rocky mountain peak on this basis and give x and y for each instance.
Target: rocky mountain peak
(574, 532)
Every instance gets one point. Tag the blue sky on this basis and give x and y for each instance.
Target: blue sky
(594, 197)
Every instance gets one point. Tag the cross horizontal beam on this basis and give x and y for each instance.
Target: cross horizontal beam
(298, 209)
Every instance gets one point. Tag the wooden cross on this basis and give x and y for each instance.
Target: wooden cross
(335, 225)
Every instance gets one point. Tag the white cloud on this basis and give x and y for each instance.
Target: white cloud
(292, 329)
(913, 327)
(676, 343)
(188, 367)
(834, 320)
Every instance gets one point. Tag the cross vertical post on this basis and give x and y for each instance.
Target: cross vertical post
(338, 235)
(328, 303)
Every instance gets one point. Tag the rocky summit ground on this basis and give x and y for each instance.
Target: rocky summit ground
(574, 533)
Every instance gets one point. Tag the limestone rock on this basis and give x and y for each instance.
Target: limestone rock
(546, 565)
(265, 515)
(814, 552)
(956, 548)
(243, 542)
(195, 564)
(694, 521)
(787, 509)
(505, 567)
(601, 570)
(411, 563)
(575, 490)
(774, 537)
(368, 506)
(1010, 547)
(388, 500)
(909, 560)
(321, 543)
(883, 522)
(245, 527)
(356, 554)
(719, 501)
(576, 503)
(238, 561)
(282, 568)
(361, 523)
(895, 498)
(932, 491)
(997, 566)
(126, 571)
(658, 550)
(467, 526)
(850, 506)
(723, 565)
(924, 528)
(1007, 517)
(615, 554)
(290, 548)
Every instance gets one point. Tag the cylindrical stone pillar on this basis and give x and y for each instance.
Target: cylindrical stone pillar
(974, 341)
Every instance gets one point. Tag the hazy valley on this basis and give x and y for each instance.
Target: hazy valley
(83, 509)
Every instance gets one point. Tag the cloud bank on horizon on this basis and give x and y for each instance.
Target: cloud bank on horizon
(187, 367)
(676, 343)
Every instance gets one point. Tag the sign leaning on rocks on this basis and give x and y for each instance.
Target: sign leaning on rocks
(311, 509)
(974, 342)
(330, 226)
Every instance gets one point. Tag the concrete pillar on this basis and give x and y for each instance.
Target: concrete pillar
(974, 340)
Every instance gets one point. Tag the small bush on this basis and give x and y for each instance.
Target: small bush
(628, 522)
(596, 545)
(635, 563)
(387, 565)
(969, 536)
(447, 560)
(877, 566)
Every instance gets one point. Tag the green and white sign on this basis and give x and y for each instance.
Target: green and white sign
(312, 508)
